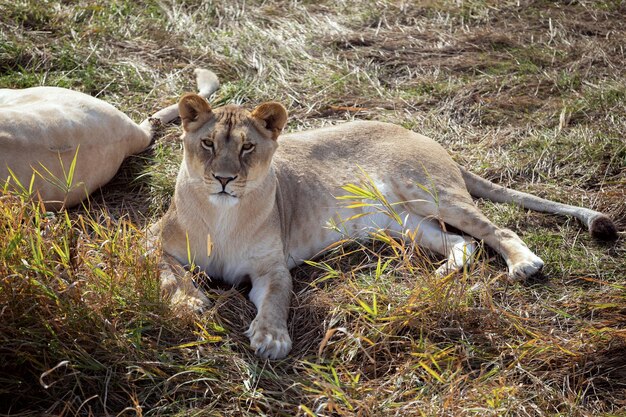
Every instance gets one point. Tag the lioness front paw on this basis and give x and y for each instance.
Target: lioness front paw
(269, 341)
(196, 301)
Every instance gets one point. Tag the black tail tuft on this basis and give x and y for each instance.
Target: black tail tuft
(603, 228)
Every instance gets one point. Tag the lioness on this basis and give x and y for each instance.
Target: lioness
(44, 129)
(246, 209)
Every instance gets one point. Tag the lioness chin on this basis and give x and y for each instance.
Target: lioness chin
(247, 209)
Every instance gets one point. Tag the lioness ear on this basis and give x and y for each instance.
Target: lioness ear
(273, 114)
(194, 111)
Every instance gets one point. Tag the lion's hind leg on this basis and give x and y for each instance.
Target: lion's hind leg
(521, 261)
(457, 210)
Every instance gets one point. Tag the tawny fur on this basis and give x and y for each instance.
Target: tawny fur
(246, 208)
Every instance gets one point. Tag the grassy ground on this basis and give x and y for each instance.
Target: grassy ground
(531, 94)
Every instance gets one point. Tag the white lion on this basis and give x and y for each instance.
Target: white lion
(43, 130)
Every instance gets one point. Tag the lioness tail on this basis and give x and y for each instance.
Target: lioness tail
(600, 225)
(207, 82)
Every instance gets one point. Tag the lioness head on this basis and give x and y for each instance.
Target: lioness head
(229, 149)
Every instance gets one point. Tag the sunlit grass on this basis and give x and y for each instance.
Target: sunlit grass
(528, 95)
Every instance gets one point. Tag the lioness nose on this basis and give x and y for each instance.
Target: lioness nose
(224, 180)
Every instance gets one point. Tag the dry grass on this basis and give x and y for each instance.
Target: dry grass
(530, 94)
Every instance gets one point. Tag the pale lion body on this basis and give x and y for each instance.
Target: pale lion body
(247, 209)
(43, 129)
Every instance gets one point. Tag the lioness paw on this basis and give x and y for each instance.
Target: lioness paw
(526, 269)
(196, 301)
(269, 341)
(445, 270)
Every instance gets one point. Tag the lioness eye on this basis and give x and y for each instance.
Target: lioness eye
(207, 144)
(247, 147)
